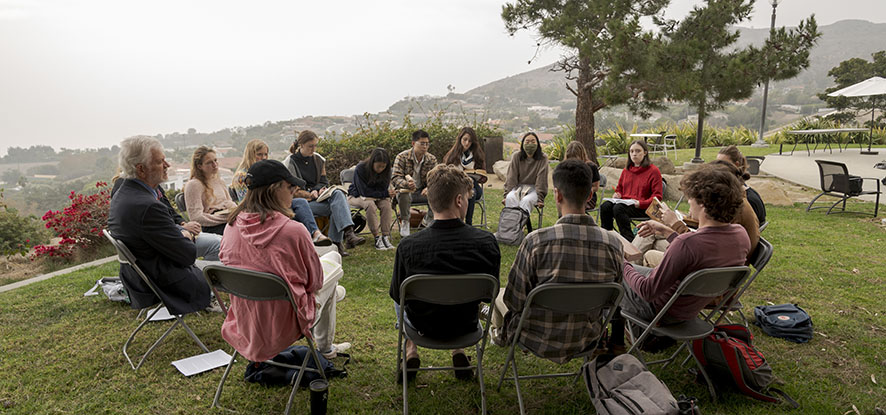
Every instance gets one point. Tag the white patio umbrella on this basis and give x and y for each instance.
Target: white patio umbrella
(869, 87)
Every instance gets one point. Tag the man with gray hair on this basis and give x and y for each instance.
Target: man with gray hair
(140, 219)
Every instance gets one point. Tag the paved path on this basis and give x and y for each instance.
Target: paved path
(800, 168)
(22, 283)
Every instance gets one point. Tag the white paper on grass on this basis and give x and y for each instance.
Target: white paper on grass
(162, 315)
(202, 362)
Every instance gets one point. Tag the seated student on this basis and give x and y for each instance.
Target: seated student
(448, 246)
(257, 150)
(526, 184)
(715, 197)
(640, 181)
(467, 153)
(261, 237)
(371, 192)
(304, 163)
(574, 250)
(745, 217)
(733, 155)
(576, 151)
(206, 196)
(139, 219)
(410, 177)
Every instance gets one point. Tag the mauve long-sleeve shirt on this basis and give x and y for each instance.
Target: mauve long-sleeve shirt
(709, 247)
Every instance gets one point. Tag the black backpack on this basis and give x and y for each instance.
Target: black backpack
(787, 321)
(270, 375)
(510, 226)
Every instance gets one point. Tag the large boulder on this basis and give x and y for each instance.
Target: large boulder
(501, 169)
(665, 165)
(672, 190)
(620, 163)
(612, 174)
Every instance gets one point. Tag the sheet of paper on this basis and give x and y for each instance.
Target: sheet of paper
(622, 201)
(162, 315)
(202, 362)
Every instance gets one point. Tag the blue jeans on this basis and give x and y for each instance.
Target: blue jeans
(478, 193)
(304, 215)
(339, 212)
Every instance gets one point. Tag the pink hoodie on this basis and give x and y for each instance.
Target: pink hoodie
(260, 329)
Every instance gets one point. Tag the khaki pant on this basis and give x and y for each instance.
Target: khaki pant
(499, 310)
(652, 248)
(372, 207)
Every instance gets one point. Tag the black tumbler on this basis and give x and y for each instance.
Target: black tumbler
(319, 395)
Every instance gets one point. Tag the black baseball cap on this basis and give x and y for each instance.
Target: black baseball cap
(267, 172)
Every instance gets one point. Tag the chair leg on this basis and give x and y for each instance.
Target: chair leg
(808, 208)
(705, 374)
(132, 336)
(517, 386)
(191, 333)
(480, 377)
(508, 360)
(221, 384)
(157, 343)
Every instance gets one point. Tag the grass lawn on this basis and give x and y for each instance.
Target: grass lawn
(60, 351)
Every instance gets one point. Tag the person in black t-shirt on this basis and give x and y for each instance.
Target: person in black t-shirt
(448, 246)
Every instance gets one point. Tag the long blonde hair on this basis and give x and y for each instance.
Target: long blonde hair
(576, 150)
(252, 147)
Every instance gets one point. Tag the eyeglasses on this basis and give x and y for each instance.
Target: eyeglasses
(424, 143)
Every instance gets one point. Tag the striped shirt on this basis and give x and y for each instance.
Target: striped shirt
(574, 250)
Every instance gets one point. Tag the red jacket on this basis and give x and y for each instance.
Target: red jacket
(641, 183)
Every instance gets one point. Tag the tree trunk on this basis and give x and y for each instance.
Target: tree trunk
(584, 109)
(699, 134)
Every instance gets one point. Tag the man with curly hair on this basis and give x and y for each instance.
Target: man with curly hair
(715, 197)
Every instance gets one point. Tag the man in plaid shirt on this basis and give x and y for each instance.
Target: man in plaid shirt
(409, 176)
(574, 250)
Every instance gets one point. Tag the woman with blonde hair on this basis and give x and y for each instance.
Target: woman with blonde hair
(576, 151)
(206, 196)
(304, 163)
(257, 150)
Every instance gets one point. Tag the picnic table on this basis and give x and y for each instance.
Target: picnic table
(821, 132)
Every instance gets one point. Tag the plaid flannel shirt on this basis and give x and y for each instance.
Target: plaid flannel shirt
(573, 250)
(404, 164)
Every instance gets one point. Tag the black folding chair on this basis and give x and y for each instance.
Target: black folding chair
(445, 290)
(567, 298)
(837, 182)
(125, 257)
(259, 286)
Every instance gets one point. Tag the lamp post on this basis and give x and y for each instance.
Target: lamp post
(760, 142)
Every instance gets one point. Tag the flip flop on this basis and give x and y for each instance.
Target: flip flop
(462, 360)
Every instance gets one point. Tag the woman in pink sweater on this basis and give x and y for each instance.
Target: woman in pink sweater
(261, 237)
(206, 196)
(639, 182)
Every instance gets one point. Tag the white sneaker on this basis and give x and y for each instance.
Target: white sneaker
(404, 228)
(380, 244)
(387, 241)
(340, 293)
(336, 349)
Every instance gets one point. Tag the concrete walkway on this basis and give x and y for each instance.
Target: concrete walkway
(801, 168)
(22, 283)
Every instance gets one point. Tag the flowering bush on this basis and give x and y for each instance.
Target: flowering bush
(79, 225)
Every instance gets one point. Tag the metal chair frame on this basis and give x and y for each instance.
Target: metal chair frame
(445, 290)
(346, 177)
(837, 185)
(710, 282)
(125, 256)
(663, 143)
(762, 255)
(259, 286)
(571, 298)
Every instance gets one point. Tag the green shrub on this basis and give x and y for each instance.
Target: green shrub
(556, 149)
(19, 233)
(342, 152)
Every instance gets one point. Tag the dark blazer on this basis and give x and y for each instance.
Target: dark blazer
(144, 224)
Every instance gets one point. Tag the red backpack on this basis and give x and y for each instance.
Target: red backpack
(729, 357)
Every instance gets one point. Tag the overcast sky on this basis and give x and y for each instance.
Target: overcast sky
(89, 73)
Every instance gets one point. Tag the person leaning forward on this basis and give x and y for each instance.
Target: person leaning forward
(410, 177)
(142, 222)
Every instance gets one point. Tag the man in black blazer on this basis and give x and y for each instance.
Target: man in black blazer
(142, 221)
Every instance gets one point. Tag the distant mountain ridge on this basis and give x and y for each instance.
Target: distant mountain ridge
(839, 41)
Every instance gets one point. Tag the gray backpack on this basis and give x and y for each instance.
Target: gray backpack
(623, 386)
(510, 226)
